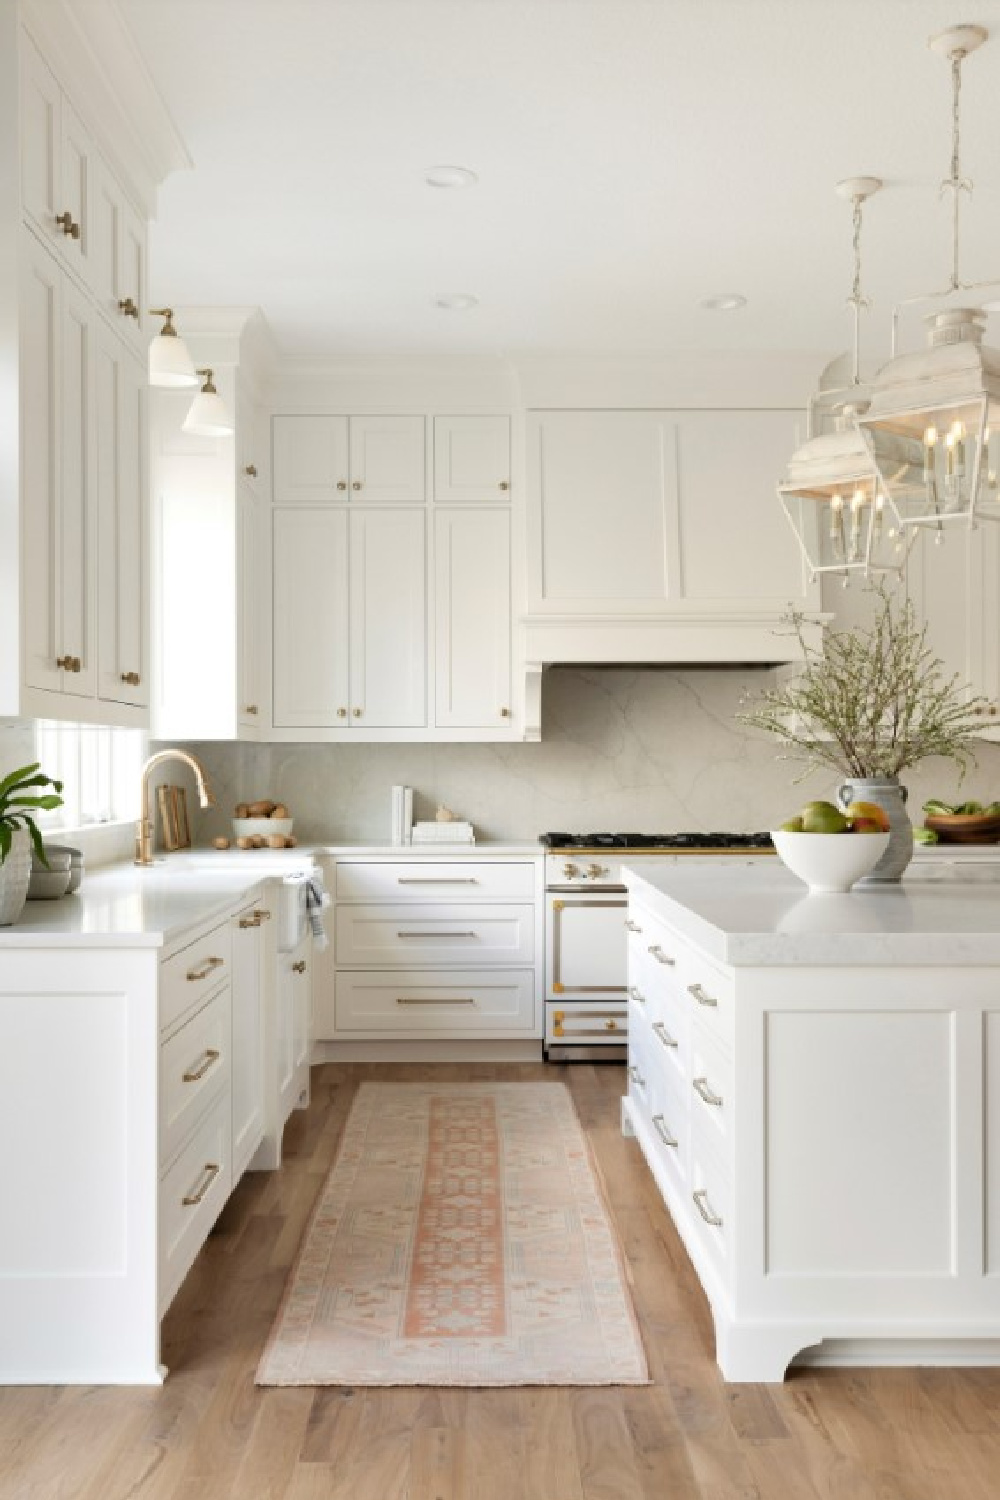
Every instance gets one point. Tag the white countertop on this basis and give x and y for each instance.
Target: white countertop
(761, 914)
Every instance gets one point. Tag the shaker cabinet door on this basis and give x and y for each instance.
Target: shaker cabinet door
(471, 460)
(120, 398)
(310, 459)
(387, 460)
(310, 618)
(472, 619)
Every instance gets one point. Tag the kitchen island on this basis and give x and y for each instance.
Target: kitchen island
(814, 1082)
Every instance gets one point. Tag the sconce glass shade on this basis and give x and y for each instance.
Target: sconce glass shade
(933, 426)
(836, 505)
(208, 415)
(170, 365)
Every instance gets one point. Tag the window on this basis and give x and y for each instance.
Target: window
(100, 770)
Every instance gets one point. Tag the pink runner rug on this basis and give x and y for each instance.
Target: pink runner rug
(461, 1238)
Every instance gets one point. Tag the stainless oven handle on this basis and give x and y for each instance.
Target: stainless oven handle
(587, 890)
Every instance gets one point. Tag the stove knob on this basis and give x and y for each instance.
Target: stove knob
(596, 871)
(570, 872)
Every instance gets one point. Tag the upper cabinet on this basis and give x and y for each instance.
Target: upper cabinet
(656, 536)
(377, 460)
(471, 460)
(74, 612)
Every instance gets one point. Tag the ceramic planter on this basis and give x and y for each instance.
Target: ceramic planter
(15, 872)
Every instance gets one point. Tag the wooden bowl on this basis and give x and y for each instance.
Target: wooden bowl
(965, 828)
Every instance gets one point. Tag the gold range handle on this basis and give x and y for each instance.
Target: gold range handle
(211, 1171)
(210, 963)
(211, 1057)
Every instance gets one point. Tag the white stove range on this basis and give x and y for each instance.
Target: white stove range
(586, 1000)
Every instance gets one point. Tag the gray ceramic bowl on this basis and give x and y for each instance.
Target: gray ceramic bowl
(48, 885)
(75, 863)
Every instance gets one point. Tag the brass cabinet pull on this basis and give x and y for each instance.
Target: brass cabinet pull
(660, 1126)
(611, 1024)
(661, 958)
(435, 935)
(702, 996)
(132, 678)
(435, 1000)
(637, 995)
(664, 1034)
(504, 484)
(705, 1209)
(632, 926)
(636, 1076)
(210, 1059)
(261, 915)
(300, 967)
(356, 484)
(211, 1170)
(341, 713)
(250, 470)
(246, 922)
(66, 224)
(704, 1090)
(69, 663)
(206, 969)
(356, 712)
(505, 713)
(342, 484)
(252, 708)
(127, 308)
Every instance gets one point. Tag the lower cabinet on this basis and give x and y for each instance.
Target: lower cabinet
(249, 990)
(444, 949)
(294, 1027)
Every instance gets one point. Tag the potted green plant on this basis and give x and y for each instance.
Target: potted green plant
(20, 798)
(870, 703)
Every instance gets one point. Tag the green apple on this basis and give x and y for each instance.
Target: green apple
(823, 817)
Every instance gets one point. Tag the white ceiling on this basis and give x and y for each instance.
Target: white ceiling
(634, 157)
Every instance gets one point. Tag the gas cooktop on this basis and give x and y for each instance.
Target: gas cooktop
(656, 840)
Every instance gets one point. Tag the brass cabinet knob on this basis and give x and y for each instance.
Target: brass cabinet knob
(69, 663)
(300, 967)
(252, 708)
(505, 484)
(66, 224)
(342, 484)
(356, 712)
(132, 678)
(356, 484)
(250, 470)
(127, 308)
(341, 713)
(505, 713)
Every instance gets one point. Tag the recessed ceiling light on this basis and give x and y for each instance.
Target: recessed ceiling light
(455, 301)
(724, 302)
(450, 177)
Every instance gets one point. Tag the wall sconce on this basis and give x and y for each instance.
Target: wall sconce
(209, 415)
(170, 365)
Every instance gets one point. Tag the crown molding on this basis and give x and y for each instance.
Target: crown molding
(97, 61)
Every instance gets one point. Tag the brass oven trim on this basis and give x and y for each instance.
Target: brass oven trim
(556, 985)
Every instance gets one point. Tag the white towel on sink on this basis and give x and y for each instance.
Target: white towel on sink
(316, 901)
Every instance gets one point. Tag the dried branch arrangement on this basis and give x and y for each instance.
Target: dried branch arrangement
(870, 702)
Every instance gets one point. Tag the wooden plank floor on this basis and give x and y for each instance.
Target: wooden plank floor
(209, 1434)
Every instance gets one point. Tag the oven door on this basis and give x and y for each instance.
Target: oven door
(585, 945)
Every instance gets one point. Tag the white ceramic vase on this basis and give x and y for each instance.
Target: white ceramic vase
(15, 872)
(887, 793)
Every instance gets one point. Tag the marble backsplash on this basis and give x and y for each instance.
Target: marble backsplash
(621, 748)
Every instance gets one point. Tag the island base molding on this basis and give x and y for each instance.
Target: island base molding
(440, 1051)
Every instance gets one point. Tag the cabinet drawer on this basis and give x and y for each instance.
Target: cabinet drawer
(437, 880)
(711, 1087)
(194, 1065)
(194, 972)
(192, 1193)
(381, 935)
(670, 1121)
(710, 1199)
(710, 994)
(449, 1002)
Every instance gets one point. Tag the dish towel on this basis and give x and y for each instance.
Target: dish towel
(316, 900)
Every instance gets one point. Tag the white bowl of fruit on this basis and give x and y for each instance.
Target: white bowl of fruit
(830, 849)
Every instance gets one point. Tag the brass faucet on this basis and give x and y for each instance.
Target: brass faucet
(144, 828)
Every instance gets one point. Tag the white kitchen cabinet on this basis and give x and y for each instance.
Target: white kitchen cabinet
(118, 259)
(249, 989)
(319, 460)
(252, 467)
(310, 611)
(57, 164)
(655, 535)
(349, 618)
(388, 618)
(57, 353)
(294, 1027)
(122, 605)
(249, 578)
(472, 680)
(953, 586)
(471, 460)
